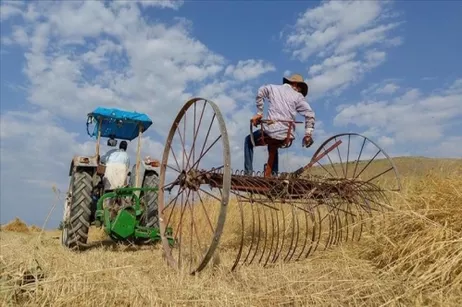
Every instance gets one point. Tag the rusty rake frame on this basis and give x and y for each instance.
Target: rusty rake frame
(282, 218)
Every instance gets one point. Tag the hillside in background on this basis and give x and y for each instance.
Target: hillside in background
(418, 166)
(413, 259)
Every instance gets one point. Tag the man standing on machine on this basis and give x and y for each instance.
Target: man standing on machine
(284, 102)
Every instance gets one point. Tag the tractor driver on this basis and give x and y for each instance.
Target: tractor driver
(117, 167)
(284, 102)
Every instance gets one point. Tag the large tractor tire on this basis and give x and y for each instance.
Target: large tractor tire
(151, 179)
(77, 224)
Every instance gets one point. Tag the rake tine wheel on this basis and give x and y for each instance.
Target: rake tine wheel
(352, 160)
(347, 159)
(195, 216)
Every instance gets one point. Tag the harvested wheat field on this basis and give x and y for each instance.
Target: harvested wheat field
(413, 259)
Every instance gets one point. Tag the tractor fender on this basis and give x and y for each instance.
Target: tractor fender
(144, 167)
(149, 167)
(83, 161)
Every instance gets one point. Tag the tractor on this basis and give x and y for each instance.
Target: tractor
(126, 213)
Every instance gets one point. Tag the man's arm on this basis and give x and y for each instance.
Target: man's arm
(304, 109)
(263, 92)
(105, 157)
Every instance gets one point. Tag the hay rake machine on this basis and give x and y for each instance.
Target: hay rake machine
(218, 214)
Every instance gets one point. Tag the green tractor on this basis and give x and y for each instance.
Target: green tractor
(126, 213)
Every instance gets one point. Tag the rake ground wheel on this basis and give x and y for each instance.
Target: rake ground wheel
(195, 214)
(365, 175)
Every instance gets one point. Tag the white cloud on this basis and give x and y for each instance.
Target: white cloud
(410, 118)
(134, 65)
(456, 87)
(385, 141)
(9, 9)
(365, 38)
(20, 36)
(449, 147)
(80, 55)
(331, 62)
(172, 4)
(389, 88)
(249, 69)
(36, 153)
(386, 87)
(337, 26)
(347, 37)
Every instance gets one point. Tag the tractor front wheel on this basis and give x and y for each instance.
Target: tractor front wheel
(78, 207)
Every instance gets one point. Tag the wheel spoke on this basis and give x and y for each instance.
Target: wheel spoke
(340, 158)
(370, 161)
(359, 157)
(206, 214)
(195, 131)
(206, 139)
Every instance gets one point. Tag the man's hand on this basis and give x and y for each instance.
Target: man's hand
(256, 119)
(307, 141)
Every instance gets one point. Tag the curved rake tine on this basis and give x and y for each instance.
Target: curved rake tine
(272, 236)
(292, 232)
(297, 185)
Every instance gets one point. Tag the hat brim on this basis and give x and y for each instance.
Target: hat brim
(303, 85)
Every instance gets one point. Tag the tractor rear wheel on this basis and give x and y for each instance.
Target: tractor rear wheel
(151, 179)
(77, 223)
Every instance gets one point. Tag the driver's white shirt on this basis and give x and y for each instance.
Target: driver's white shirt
(116, 156)
(117, 167)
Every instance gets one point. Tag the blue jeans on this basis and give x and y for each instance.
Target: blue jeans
(248, 153)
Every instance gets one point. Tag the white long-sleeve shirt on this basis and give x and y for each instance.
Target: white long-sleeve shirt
(283, 104)
(116, 156)
(117, 167)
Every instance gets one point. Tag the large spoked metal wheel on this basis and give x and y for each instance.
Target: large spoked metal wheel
(193, 212)
(357, 158)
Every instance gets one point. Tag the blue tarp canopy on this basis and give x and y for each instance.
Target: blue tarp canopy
(118, 123)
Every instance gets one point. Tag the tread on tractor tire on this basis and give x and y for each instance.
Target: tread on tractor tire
(151, 179)
(78, 224)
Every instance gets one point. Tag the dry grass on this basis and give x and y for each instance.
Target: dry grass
(414, 259)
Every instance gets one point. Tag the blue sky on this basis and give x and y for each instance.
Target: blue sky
(390, 70)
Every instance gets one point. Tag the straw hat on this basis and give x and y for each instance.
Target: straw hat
(296, 78)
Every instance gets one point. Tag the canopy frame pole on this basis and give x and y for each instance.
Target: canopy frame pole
(98, 139)
(138, 156)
